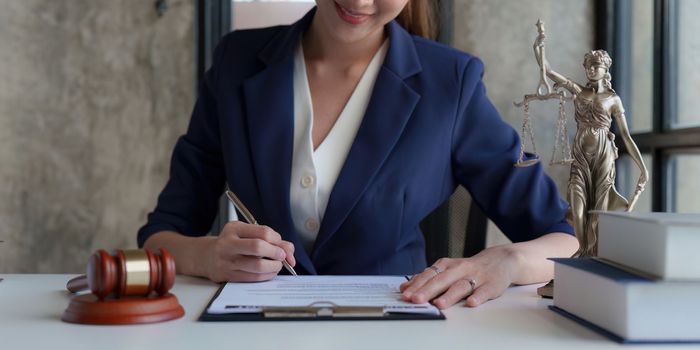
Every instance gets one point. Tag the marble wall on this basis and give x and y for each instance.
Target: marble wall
(93, 94)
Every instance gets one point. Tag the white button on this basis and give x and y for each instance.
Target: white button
(306, 181)
(312, 225)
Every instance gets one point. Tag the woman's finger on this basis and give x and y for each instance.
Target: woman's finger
(415, 283)
(244, 276)
(484, 293)
(406, 284)
(256, 265)
(288, 248)
(258, 248)
(236, 231)
(419, 280)
(459, 290)
(260, 232)
(438, 285)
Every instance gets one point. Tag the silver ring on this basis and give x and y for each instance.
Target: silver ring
(472, 285)
(436, 269)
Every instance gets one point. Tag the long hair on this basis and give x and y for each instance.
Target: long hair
(419, 17)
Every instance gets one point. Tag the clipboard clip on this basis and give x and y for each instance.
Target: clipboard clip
(322, 309)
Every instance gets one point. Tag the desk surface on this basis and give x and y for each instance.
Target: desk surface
(31, 307)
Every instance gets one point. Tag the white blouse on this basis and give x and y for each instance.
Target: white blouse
(314, 172)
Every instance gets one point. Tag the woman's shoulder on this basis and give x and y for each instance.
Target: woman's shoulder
(238, 53)
(439, 51)
(251, 38)
(438, 56)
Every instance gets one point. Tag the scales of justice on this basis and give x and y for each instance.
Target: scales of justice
(592, 153)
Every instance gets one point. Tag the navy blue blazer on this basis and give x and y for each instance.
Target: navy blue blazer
(428, 128)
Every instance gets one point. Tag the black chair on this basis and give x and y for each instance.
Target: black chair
(447, 235)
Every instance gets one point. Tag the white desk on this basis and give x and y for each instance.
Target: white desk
(31, 307)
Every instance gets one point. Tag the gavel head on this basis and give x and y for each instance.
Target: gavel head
(130, 273)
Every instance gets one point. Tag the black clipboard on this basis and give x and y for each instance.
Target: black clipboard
(321, 312)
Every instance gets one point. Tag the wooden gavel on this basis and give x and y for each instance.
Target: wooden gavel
(126, 273)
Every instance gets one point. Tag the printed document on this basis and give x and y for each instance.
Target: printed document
(301, 291)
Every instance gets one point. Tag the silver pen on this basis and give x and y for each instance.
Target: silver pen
(251, 220)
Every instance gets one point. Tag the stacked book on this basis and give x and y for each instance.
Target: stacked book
(645, 284)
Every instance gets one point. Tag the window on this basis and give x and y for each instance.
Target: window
(626, 182)
(685, 63)
(683, 185)
(656, 72)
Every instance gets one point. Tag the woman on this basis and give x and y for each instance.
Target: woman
(341, 133)
(592, 179)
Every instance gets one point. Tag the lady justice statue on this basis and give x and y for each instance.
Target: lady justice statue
(593, 152)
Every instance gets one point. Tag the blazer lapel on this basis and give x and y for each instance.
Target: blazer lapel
(269, 102)
(389, 109)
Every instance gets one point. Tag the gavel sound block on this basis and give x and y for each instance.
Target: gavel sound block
(128, 287)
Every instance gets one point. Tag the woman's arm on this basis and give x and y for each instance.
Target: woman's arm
(523, 202)
(531, 256)
(186, 251)
(493, 270)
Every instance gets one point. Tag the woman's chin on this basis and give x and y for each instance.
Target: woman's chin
(350, 35)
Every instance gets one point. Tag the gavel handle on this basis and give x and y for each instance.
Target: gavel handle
(77, 284)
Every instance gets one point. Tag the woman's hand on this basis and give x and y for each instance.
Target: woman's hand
(492, 270)
(448, 281)
(245, 253)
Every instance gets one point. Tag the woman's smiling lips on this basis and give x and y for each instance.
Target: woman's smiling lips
(351, 17)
